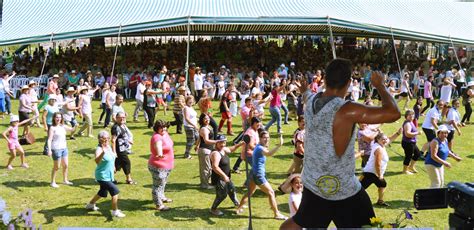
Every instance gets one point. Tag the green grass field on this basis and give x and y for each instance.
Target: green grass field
(64, 207)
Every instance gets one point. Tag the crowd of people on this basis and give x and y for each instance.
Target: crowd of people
(324, 102)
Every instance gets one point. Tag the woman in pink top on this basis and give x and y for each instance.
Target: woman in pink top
(275, 105)
(161, 163)
(428, 94)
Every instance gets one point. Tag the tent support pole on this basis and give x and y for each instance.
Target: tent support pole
(115, 54)
(186, 67)
(46, 55)
(455, 53)
(331, 39)
(396, 54)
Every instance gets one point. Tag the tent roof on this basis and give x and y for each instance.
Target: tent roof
(31, 21)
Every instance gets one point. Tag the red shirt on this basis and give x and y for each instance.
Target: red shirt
(167, 162)
(135, 78)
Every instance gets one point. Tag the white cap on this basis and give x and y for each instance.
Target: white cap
(52, 97)
(292, 63)
(14, 118)
(25, 87)
(31, 82)
(282, 65)
(70, 89)
(73, 71)
(55, 76)
(223, 67)
(443, 128)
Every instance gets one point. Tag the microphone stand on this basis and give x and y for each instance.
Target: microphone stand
(246, 139)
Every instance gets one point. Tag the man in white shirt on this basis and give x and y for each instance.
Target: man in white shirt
(198, 83)
(139, 99)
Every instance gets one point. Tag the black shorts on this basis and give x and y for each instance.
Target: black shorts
(107, 186)
(404, 94)
(450, 135)
(316, 212)
(23, 116)
(430, 134)
(123, 162)
(369, 178)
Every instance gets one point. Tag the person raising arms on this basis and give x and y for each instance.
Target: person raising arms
(332, 192)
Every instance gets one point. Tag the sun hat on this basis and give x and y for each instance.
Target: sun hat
(31, 82)
(14, 118)
(83, 88)
(55, 76)
(70, 89)
(286, 186)
(471, 83)
(223, 67)
(442, 128)
(282, 65)
(220, 138)
(24, 87)
(52, 97)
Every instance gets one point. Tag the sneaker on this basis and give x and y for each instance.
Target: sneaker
(54, 185)
(216, 212)
(92, 207)
(67, 182)
(24, 165)
(163, 208)
(239, 211)
(91, 136)
(280, 217)
(9, 167)
(118, 213)
(72, 138)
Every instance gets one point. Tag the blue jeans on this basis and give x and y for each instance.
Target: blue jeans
(276, 116)
(285, 110)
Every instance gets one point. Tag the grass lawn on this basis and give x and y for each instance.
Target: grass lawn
(53, 208)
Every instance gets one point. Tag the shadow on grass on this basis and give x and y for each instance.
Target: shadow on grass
(71, 210)
(388, 174)
(186, 213)
(87, 153)
(470, 156)
(17, 185)
(396, 204)
(84, 181)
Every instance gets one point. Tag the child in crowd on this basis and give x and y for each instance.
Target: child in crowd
(12, 140)
(298, 142)
(294, 186)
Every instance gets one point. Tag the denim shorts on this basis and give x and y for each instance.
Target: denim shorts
(259, 179)
(59, 153)
(107, 186)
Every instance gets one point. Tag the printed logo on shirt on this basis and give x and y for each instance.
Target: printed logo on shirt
(328, 185)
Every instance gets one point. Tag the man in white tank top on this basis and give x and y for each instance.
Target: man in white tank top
(331, 190)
